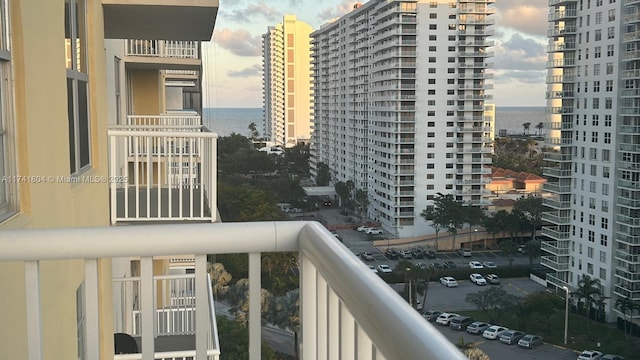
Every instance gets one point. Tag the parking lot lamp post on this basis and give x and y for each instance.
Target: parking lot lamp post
(566, 313)
(409, 280)
(475, 236)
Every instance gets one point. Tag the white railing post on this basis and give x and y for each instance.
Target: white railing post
(201, 303)
(333, 336)
(321, 328)
(147, 308)
(92, 309)
(347, 335)
(32, 293)
(255, 317)
(308, 306)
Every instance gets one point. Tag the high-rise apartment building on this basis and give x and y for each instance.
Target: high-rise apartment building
(593, 118)
(287, 91)
(400, 105)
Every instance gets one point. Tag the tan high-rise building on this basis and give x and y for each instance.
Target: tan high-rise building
(286, 54)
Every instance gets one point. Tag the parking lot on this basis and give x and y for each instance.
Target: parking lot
(497, 350)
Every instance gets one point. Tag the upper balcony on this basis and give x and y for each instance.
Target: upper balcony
(163, 54)
(346, 311)
(162, 168)
(160, 19)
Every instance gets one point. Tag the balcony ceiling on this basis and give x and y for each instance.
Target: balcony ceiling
(159, 19)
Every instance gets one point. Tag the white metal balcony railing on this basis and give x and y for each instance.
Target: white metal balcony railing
(346, 311)
(163, 48)
(162, 168)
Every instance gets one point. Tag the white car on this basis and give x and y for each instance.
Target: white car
(590, 355)
(448, 281)
(362, 228)
(373, 231)
(373, 269)
(494, 332)
(475, 265)
(490, 265)
(445, 318)
(385, 269)
(478, 279)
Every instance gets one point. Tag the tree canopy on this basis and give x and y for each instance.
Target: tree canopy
(494, 301)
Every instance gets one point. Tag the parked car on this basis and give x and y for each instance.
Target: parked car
(373, 231)
(450, 265)
(590, 355)
(391, 254)
(475, 265)
(490, 265)
(422, 265)
(366, 256)
(460, 322)
(530, 341)
(493, 332)
(437, 265)
(373, 268)
(417, 254)
(477, 327)
(492, 279)
(511, 337)
(445, 318)
(611, 357)
(362, 228)
(430, 254)
(385, 269)
(405, 254)
(431, 315)
(448, 281)
(477, 279)
(465, 252)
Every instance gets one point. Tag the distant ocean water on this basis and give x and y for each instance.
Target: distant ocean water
(225, 121)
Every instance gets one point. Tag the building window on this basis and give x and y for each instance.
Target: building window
(605, 172)
(604, 223)
(592, 236)
(603, 273)
(610, 50)
(604, 239)
(612, 15)
(609, 86)
(8, 189)
(603, 257)
(609, 68)
(596, 86)
(77, 85)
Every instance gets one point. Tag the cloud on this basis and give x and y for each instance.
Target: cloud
(523, 76)
(529, 16)
(252, 11)
(519, 53)
(239, 42)
(338, 10)
(251, 71)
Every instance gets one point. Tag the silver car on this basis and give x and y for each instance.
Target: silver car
(530, 341)
(477, 327)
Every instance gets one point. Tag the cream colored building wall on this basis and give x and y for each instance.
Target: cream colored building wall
(40, 91)
(147, 92)
(297, 79)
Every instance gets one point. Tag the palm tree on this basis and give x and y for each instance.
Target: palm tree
(588, 290)
(526, 126)
(626, 305)
(540, 126)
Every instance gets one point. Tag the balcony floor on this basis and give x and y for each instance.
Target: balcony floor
(164, 194)
(166, 343)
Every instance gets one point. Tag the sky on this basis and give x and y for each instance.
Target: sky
(234, 65)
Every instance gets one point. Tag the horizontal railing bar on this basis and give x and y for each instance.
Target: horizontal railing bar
(126, 241)
(201, 134)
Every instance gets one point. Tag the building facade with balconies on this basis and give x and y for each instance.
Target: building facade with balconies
(403, 116)
(592, 100)
(58, 164)
(287, 82)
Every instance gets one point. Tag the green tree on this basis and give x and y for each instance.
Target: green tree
(324, 176)
(526, 126)
(530, 210)
(297, 160)
(542, 306)
(627, 306)
(474, 353)
(587, 292)
(473, 215)
(234, 341)
(220, 279)
(253, 131)
(494, 301)
(362, 201)
(245, 203)
(445, 213)
(540, 126)
(508, 248)
(344, 191)
(285, 314)
(496, 223)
